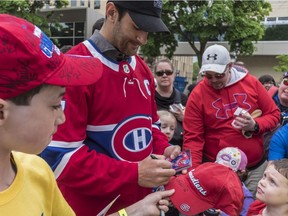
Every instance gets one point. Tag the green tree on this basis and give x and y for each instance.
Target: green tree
(28, 9)
(238, 22)
(195, 71)
(283, 63)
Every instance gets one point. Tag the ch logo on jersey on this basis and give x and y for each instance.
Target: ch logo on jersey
(222, 109)
(131, 140)
(126, 69)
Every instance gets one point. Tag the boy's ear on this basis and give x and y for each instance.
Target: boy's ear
(3, 107)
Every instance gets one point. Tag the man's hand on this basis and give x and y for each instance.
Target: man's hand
(179, 114)
(151, 205)
(154, 172)
(245, 122)
(172, 151)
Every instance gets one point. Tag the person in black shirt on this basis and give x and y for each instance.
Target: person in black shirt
(168, 97)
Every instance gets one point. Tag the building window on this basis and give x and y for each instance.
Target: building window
(270, 19)
(276, 33)
(79, 29)
(96, 4)
(70, 33)
(73, 3)
(283, 18)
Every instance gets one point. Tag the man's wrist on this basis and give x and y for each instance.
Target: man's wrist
(248, 134)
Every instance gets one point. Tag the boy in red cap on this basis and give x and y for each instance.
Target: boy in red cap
(33, 76)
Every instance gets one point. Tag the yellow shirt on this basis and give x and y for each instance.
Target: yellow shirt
(34, 191)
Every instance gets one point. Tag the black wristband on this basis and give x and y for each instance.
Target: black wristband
(256, 128)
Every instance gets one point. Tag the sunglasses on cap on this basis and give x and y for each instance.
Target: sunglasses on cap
(162, 72)
(285, 81)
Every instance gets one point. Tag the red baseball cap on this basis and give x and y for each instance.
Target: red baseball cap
(29, 58)
(210, 185)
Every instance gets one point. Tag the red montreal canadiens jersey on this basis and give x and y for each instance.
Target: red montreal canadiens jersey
(116, 117)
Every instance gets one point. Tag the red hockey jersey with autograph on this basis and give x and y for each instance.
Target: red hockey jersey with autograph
(110, 126)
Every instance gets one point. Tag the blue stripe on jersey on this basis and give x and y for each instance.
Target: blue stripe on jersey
(54, 155)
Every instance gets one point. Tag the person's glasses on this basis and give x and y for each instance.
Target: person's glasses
(285, 81)
(162, 72)
(217, 76)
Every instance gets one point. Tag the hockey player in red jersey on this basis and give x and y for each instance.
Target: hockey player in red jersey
(112, 126)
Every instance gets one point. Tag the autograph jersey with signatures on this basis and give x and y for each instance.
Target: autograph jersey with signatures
(117, 118)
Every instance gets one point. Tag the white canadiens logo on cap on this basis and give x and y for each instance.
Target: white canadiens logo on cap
(185, 207)
(196, 183)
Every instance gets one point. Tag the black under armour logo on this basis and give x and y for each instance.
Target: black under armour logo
(212, 56)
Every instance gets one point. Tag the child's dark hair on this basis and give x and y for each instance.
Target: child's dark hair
(25, 98)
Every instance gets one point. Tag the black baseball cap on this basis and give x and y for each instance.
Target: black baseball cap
(145, 14)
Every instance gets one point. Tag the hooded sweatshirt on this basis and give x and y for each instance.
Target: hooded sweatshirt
(209, 114)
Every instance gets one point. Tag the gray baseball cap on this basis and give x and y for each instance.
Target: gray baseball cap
(215, 58)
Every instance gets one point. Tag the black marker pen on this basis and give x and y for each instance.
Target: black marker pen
(153, 157)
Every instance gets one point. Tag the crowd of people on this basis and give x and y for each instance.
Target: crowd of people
(109, 133)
